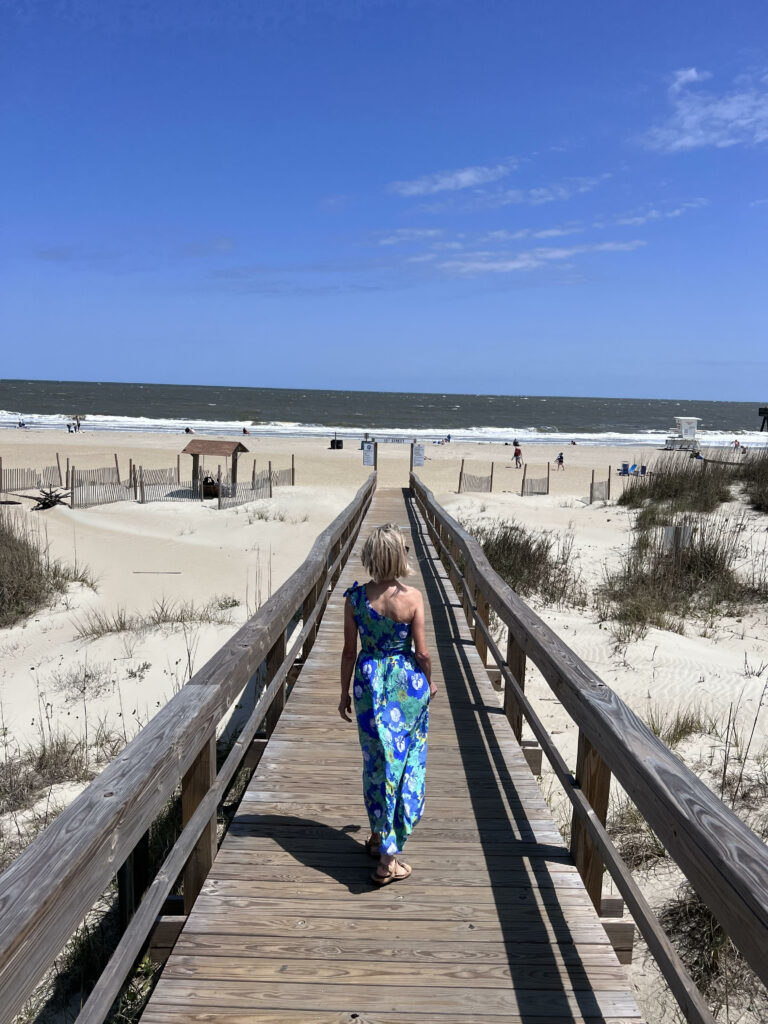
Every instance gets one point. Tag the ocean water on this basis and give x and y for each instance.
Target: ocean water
(169, 408)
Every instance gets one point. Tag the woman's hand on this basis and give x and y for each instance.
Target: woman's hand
(345, 707)
(432, 691)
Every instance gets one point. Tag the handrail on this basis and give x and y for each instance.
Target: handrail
(51, 886)
(725, 862)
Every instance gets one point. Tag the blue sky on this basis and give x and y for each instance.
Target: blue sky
(432, 195)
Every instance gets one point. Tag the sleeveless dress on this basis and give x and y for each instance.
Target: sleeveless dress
(391, 696)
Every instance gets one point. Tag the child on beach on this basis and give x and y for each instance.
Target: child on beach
(560, 461)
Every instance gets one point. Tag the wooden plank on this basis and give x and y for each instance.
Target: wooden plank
(550, 1005)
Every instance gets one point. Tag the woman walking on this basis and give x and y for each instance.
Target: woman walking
(392, 689)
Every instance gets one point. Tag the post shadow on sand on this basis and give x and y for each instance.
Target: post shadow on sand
(491, 780)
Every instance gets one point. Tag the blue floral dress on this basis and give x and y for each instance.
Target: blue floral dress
(392, 707)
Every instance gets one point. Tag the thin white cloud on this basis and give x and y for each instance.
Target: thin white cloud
(451, 181)
(705, 118)
(426, 257)
(409, 235)
(759, 202)
(514, 236)
(487, 263)
(687, 76)
(651, 213)
(557, 192)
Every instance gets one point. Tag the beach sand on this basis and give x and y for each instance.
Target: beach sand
(185, 552)
(189, 552)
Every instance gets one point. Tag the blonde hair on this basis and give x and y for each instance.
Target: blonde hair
(384, 554)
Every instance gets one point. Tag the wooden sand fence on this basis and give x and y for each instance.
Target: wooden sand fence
(244, 491)
(25, 479)
(534, 484)
(89, 487)
(600, 490)
(474, 481)
(284, 477)
(104, 833)
(721, 857)
(150, 485)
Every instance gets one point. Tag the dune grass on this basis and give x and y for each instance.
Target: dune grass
(682, 484)
(754, 475)
(97, 623)
(539, 563)
(30, 578)
(656, 585)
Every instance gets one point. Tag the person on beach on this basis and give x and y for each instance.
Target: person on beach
(560, 461)
(392, 691)
(518, 456)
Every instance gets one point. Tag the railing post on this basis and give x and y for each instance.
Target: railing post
(453, 574)
(306, 610)
(461, 476)
(516, 665)
(197, 780)
(468, 596)
(132, 881)
(481, 613)
(593, 776)
(275, 659)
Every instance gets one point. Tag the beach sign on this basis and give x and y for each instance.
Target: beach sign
(368, 454)
(418, 455)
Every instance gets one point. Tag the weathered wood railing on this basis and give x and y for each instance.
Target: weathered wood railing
(725, 862)
(49, 889)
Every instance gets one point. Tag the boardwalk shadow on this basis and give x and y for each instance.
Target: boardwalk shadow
(332, 852)
(564, 991)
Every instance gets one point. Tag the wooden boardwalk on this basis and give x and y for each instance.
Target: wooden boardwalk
(493, 925)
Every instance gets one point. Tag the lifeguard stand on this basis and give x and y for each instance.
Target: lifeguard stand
(685, 436)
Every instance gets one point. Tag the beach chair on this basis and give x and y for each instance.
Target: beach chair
(624, 471)
(633, 469)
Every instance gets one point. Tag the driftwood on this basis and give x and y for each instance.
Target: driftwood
(48, 498)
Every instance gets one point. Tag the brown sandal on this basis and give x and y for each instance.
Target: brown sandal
(392, 875)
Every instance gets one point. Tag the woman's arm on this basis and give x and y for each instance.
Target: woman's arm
(348, 657)
(421, 652)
